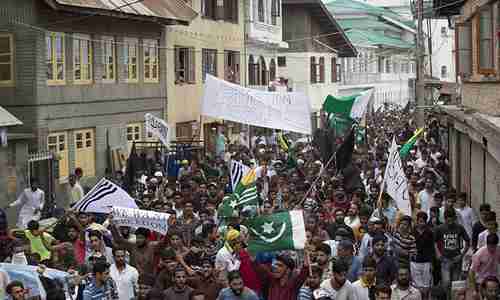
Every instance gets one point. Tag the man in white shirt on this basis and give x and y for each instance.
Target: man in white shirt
(75, 190)
(469, 217)
(426, 196)
(402, 289)
(125, 276)
(491, 227)
(227, 259)
(338, 284)
(31, 201)
(367, 280)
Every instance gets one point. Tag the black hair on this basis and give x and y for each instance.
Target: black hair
(492, 239)
(13, 284)
(383, 289)
(33, 225)
(95, 233)
(485, 207)
(195, 293)
(142, 231)
(325, 248)
(233, 275)
(489, 279)
(369, 262)
(100, 266)
(339, 266)
(115, 249)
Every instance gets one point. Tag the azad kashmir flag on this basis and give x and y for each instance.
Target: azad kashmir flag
(410, 143)
(287, 147)
(279, 231)
(244, 195)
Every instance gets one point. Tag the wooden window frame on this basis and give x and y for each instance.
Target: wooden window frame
(321, 65)
(84, 141)
(458, 49)
(334, 69)
(261, 11)
(207, 56)
(209, 9)
(485, 71)
(232, 62)
(275, 12)
(108, 60)
(189, 65)
(58, 142)
(51, 37)
(129, 62)
(313, 70)
(9, 54)
(133, 133)
(153, 65)
(86, 70)
(231, 11)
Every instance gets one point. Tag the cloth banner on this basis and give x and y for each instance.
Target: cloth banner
(158, 127)
(104, 196)
(395, 180)
(228, 101)
(359, 107)
(123, 216)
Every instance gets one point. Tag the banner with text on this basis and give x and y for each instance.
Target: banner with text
(396, 182)
(232, 102)
(158, 127)
(130, 217)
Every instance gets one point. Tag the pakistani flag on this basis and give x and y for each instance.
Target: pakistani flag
(410, 143)
(280, 231)
(348, 107)
(245, 194)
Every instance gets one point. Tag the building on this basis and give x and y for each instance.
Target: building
(316, 45)
(81, 74)
(385, 41)
(474, 124)
(212, 44)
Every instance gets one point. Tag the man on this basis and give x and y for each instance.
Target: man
(98, 247)
(450, 239)
(490, 288)
(101, 285)
(16, 290)
(312, 283)
(180, 290)
(345, 252)
(480, 225)
(402, 290)
(207, 282)
(491, 227)
(236, 289)
(365, 286)
(338, 283)
(125, 276)
(40, 241)
(352, 219)
(374, 226)
(227, 259)
(467, 214)
(425, 197)
(323, 260)
(75, 191)
(485, 262)
(383, 292)
(339, 223)
(404, 243)
(421, 265)
(386, 266)
(32, 201)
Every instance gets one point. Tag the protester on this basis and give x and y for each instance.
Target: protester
(101, 285)
(32, 201)
(236, 289)
(125, 276)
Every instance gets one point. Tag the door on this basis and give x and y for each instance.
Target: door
(85, 151)
(57, 143)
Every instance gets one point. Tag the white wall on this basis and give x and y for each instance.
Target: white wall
(263, 31)
(442, 50)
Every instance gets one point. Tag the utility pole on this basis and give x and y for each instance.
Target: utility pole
(419, 92)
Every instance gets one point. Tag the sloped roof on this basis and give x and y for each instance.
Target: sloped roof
(363, 23)
(361, 37)
(167, 12)
(8, 119)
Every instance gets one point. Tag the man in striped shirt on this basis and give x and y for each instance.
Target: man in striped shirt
(404, 243)
(312, 283)
(101, 287)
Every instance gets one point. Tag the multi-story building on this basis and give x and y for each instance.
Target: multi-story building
(316, 45)
(213, 44)
(80, 75)
(385, 43)
(474, 124)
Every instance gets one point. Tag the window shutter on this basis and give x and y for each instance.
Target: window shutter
(464, 48)
(177, 60)
(334, 69)
(236, 67)
(219, 10)
(313, 69)
(191, 65)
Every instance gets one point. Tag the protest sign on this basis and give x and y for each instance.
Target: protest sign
(132, 217)
(158, 127)
(228, 101)
(396, 182)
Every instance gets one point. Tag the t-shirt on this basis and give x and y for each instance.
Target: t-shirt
(451, 236)
(485, 264)
(228, 294)
(37, 245)
(172, 294)
(346, 292)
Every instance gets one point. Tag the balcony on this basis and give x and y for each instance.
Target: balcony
(359, 78)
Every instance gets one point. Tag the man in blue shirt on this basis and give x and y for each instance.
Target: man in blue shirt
(101, 286)
(236, 289)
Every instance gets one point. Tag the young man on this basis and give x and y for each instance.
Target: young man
(365, 286)
(98, 247)
(345, 252)
(323, 260)
(485, 262)
(491, 227)
(236, 289)
(101, 285)
(338, 284)
(32, 201)
(383, 292)
(125, 276)
(421, 266)
(312, 283)
(40, 241)
(490, 288)
(16, 290)
(467, 213)
(180, 290)
(403, 242)
(480, 225)
(402, 289)
(386, 266)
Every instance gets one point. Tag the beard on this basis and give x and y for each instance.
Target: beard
(237, 292)
(404, 283)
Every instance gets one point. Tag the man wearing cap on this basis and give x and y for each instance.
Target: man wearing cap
(386, 265)
(338, 283)
(227, 259)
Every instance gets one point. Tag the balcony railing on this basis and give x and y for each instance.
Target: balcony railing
(359, 78)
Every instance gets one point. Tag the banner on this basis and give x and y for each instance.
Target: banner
(232, 102)
(131, 217)
(158, 127)
(395, 180)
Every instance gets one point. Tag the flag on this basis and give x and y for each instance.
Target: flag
(343, 156)
(358, 109)
(238, 170)
(158, 127)
(410, 143)
(279, 231)
(283, 142)
(339, 105)
(103, 197)
(395, 180)
(244, 195)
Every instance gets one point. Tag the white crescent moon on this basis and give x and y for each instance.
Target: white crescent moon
(271, 240)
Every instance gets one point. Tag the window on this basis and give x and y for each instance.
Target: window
(463, 55)
(6, 59)
(444, 31)
(134, 132)
(486, 49)
(184, 130)
(184, 65)
(360, 61)
(444, 72)
(313, 69)
(151, 61)
(209, 8)
(334, 69)
(85, 151)
(220, 10)
(322, 69)
(109, 59)
(82, 59)
(131, 53)
(55, 58)
(232, 66)
(281, 61)
(209, 62)
(388, 65)
(260, 8)
(272, 70)
(263, 71)
(57, 143)
(253, 71)
(275, 11)
(231, 10)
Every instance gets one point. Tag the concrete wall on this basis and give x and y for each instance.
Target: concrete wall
(265, 31)
(442, 50)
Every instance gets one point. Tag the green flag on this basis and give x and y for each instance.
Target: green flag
(280, 231)
(403, 152)
(245, 194)
(339, 105)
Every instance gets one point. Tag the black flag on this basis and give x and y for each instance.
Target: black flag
(343, 156)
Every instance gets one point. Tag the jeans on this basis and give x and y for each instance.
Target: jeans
(451, 270)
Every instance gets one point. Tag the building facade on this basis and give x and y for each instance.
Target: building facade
(81, 76)
(474, 124)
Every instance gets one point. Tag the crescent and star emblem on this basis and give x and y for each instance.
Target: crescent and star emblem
(268, 229)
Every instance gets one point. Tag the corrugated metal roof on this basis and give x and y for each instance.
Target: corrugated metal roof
(8, 119)
(361, 37)
(168, 11)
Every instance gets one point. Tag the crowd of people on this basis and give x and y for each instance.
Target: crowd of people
(359, 245)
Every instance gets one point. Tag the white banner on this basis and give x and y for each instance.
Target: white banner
(151, 220)
(395, 180)
(228, 101)
(360, 104)
(158, 127)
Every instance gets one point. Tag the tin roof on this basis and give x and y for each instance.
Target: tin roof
(168, 12)
(8, 119)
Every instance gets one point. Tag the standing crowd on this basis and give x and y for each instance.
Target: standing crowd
(359, 245)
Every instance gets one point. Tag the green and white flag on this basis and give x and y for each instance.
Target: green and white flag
(280, 231)
(245, 194)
